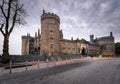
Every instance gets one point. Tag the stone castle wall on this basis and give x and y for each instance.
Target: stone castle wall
(50, 41)
(67, 47)
(107, 44)
(25, 45)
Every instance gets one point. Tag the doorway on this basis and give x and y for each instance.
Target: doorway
(83, 51)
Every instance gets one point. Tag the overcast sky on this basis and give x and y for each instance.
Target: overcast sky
(78, 19)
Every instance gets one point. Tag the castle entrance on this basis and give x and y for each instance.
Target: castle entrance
(83, 51)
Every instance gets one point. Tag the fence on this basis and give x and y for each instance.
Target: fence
(26, 66)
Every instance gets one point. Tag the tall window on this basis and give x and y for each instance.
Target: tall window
(51, 46)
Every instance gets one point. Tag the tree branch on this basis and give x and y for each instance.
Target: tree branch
(14, 20)
(19, 8)
(2, 31)
(1, 7)
(2, 28)
(13, 23)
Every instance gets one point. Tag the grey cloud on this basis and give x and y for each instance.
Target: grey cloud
(98, 15)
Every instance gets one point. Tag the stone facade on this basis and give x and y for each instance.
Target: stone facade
(51, 42)
(50, 34)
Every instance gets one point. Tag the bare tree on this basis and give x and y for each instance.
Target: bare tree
(12, 14)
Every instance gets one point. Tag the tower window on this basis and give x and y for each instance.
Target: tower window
(51, 46)
(51, 37)
(51, 30)
(68, 48)
(38, 48)
(35, 49)
(63, 47)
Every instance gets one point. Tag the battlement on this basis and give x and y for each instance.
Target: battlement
(106, 38)
(49, 15)
(24, 37)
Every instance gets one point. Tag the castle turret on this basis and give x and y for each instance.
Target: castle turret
(35, 34)
(38, 32)
(71, 38)
(25, 44)
(50, 25)
(43, 11)
(61, 34)
(91, 38)
(111, 35)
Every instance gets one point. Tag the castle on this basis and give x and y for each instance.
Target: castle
(51, 42)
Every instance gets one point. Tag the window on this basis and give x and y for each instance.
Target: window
(38, 48)
(51, 37)
(51, 30)
(35, 49)
(51, 46)
(63, 47)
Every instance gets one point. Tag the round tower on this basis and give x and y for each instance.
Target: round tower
(50, 26)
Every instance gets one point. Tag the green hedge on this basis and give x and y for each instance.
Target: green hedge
(23, 58)
(30, 58)
(64, 57)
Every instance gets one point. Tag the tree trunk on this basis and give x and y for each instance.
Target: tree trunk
(5, 55)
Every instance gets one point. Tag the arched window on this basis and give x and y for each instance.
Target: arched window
(51, 37)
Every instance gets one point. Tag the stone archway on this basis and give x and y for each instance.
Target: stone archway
(83, 51)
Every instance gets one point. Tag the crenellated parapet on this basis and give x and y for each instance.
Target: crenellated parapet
(49, 15)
